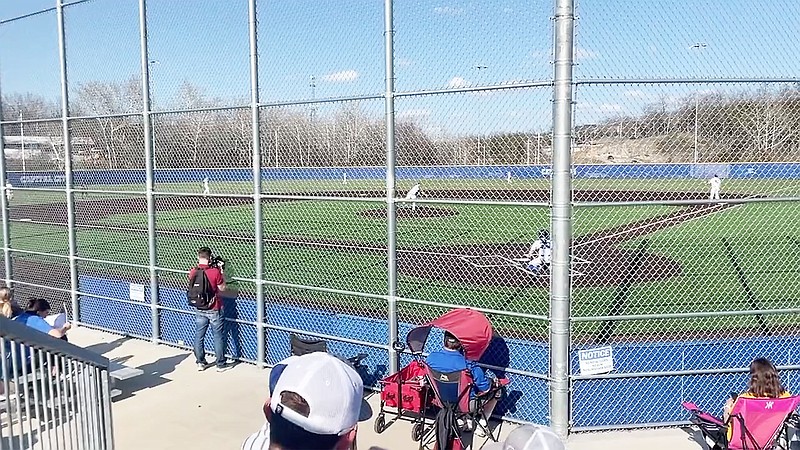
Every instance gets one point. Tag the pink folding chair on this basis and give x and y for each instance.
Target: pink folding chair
(755, 423)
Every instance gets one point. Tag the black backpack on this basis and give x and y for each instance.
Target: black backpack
(200, 293)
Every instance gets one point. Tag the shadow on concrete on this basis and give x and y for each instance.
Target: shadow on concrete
(694, 435)
(104, 347)
(120, 359)
(153, 376)
(366, 411)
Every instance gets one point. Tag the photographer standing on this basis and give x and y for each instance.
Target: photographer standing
(206, 281)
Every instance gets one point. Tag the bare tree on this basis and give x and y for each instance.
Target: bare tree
(104, 99)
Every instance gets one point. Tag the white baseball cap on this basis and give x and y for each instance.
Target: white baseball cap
(332, 389)
(529, 437)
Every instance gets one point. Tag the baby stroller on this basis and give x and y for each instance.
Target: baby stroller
(408, 395)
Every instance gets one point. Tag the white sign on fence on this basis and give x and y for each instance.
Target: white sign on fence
(596, 361)
(137, 292)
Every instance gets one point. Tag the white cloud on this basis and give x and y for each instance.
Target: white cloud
(507, 10)
(404, 62)
(343, 76)
(448, 10)
(582, 53)
(457, 82)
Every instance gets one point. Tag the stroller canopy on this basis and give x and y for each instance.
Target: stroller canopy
(471, 327)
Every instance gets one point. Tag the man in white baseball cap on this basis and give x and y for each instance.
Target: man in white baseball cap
(315, 403)
(529, 437)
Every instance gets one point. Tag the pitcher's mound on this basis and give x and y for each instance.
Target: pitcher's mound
(406, 212)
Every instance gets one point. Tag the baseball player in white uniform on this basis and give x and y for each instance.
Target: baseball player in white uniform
(540, 253)
(206, 189)
(344, 177)
(412, 195)
(508, 177)
(715, 183)
(9, 191)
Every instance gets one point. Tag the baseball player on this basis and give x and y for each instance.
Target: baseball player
(344, 177)
(540, 253)
(715, 183)
(9, 191)
(412, 195)
(508, 177)
(206, 189)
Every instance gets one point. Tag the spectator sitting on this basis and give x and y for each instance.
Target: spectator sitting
(764, 383)
(315, 402)
(529, 437)
(8, 308)
(451, 359)
(34, 314)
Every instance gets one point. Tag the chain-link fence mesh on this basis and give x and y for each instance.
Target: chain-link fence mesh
(688, 129)
(685, 165)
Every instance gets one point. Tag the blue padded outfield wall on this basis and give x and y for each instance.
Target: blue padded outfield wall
(616, 171)
(596, 402)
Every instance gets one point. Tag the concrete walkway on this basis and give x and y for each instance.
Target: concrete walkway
(174, 406)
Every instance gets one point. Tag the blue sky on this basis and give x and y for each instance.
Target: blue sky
(438, 44)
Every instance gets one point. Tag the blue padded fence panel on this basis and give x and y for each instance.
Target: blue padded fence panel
(614, 171)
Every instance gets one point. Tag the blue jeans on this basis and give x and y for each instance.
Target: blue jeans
(202, 319)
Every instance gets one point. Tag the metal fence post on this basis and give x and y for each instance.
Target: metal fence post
(258, 230)
(4, 206)
(149, 162)
(391, 208)
(561, 220)
(68, 181)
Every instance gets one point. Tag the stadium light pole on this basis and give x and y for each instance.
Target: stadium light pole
(481, 136)
(22, 139)
(698, 46)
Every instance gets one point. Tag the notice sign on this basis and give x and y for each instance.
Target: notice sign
(137, 292)
(596, 361)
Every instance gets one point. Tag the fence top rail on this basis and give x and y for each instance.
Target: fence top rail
(20, 333)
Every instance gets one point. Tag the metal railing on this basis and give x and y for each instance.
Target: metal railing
(55, 395)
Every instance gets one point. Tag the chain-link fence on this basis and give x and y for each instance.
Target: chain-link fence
(614, 184)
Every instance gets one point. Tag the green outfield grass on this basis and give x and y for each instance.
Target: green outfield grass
(765, 239)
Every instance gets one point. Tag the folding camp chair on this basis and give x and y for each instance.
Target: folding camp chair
(754, 424)
(300, 346)
(452, 396)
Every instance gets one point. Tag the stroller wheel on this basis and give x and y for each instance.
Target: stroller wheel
(380, 423)
(416, 432)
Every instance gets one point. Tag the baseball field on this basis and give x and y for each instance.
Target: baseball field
(629, 260)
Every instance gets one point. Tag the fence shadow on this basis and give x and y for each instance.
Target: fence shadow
(499, 355)
(232, 331)
(153, 375)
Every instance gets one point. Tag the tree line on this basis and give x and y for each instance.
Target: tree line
(762, 125)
